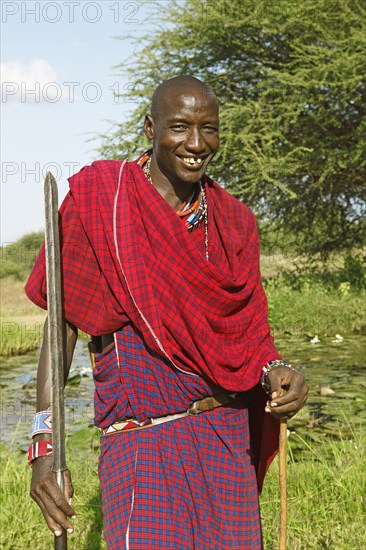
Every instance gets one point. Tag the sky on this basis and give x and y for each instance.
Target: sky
(57, 91)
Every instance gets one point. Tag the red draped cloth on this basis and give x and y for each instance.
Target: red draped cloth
(128, 258)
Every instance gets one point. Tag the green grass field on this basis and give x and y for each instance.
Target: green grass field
(326, 497)
(21, 321)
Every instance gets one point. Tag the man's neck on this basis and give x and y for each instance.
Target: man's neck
(175, 194)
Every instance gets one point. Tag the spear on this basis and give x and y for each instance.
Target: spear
(55, 337)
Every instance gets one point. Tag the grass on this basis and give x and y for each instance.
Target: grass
(325, 489)
(315, 310)
(21, 321)
(26, 528)
(326, 494)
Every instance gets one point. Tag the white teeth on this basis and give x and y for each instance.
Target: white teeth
(191, 160)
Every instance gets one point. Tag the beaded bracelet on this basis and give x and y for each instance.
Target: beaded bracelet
(40, 448)
(267, 368)
(42, 423)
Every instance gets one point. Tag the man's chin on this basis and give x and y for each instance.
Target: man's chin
(188, 175)
(190, 179)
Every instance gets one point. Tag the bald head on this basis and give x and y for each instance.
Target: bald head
(177, 86)
(183, 124)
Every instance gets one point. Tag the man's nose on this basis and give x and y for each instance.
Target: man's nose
(194, 141)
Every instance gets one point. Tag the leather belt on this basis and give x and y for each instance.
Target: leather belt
(212, 402)
(202, 405)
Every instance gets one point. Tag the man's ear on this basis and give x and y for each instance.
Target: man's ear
(149, 127)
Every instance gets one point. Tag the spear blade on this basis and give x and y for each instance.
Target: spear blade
(55, 336)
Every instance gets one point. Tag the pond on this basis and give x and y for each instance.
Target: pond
(334, 369)
(18, 395)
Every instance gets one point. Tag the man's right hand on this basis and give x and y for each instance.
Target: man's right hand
(47, 494)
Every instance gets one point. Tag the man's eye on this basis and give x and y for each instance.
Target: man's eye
(210, 129)
(179, 128)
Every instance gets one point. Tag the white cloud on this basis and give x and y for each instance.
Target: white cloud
(34, 82)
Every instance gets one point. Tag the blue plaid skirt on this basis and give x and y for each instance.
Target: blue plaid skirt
(188, 484)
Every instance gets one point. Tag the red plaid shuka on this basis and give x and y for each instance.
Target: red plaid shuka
(127, 258)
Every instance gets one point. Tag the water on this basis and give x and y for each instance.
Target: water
(336, 375)
(18, 395)
(335, 368)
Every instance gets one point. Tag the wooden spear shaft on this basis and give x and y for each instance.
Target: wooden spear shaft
(55, 337)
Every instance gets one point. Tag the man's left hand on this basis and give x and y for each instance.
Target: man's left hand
(288, 392)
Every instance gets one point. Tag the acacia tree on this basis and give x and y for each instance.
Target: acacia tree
(290, 80)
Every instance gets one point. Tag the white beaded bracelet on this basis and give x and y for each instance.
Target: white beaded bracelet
(267, 368)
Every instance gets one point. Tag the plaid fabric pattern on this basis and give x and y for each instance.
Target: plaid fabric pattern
(185, 328)
(88, 301)
(188, 484)
(127, 256)
(132, 382)
(184, 485)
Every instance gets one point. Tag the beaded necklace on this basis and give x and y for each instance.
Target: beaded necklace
(195, 207)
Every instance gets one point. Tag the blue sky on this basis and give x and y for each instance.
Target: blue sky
(65, 52)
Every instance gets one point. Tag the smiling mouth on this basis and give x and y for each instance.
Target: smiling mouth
(193, 161)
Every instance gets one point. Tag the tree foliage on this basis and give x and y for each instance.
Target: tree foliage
(17, 258)
(289, 76)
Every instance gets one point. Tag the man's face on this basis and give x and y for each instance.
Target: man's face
(185, 134)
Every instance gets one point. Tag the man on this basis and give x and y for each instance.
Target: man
(163, 264)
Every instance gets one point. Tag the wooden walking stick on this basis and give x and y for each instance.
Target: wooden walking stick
(55, 337)
(283, 484)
